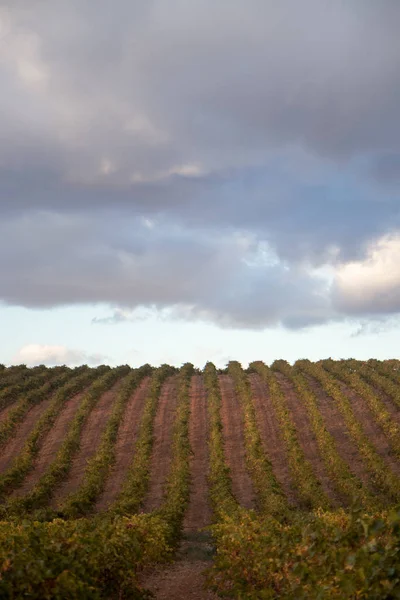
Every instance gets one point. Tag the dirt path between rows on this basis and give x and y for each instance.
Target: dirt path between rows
(90, 439)
(18, 439)
(233, 433)
(372, 430)
(307, 438)
(336, 426)
(199, 513)
(392, 408)
(125, 444)
(185, 579)
(51, 445)
(4, 412)
(274, 446)
(162, 451)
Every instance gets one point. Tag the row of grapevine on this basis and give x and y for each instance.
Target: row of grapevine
(345, 481)
(136, 481)
(272, 500)
(382, 416)
(24, 462)
(98, 468)
(60, 466)
(308, 486)
(383, 479)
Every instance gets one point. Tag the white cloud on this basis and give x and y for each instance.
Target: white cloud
(371, 285)
(37, 354)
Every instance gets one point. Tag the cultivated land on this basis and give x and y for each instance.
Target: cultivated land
(272, 482)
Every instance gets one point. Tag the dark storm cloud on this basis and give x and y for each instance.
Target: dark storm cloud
(250, 121)
(64, 260)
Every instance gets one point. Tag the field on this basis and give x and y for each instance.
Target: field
(280, 481)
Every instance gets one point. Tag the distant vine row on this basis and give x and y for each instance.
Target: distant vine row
(23, 463)
(309, 487)
(98, 468)
(381, 477)
(58, 470)
(136, 482)
(377, 407)
(345, 481)
(271, 497)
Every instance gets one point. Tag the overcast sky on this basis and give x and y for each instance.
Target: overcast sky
(190, 179)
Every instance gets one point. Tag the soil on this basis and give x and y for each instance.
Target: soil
(372, 430)
(162, 451)
(273, 444)
(392, 408)
(51, 445)
(125, 445)
(199, 512)
(90, 439)
(233, 433)
(306, 438)
(336, 426)
(6, 411)
(186, 578)
(17, 441)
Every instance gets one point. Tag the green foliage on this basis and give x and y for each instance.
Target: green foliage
(59, 468)
(317, 556)
(308, 486)
(347, 372)
(177, 487)
(222, 498)
(340, 473)
(80, 559)
(39, 389)
(79, 378)
(383, 479)
(136, 482)
(271, 497)
(98, 468)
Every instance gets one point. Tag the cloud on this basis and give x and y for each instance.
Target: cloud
(231, 279)
(158, 157)
(371, 285)
(37, 354)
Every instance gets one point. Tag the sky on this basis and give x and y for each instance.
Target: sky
(194, 180)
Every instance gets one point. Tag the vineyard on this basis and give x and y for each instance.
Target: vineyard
(285, 478)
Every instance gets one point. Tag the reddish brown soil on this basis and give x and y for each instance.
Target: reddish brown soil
(392, 408)
(17, 441)
(162, 452)
(90, 439)
(51, 445)
(270, 435)
(307, 438)
(6, 411)
(371, 428)
(233, 433)
(336, 426)
(125, 445)
(184, 580)
(198, 514)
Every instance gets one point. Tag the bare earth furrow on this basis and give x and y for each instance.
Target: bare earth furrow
(307, 438)
(16, 443)
(125, 444)
(232, 428)
(270, 436)
(392, 408)
(162, 450)
(51, 445)
(6, 411)
(336, 426)
(198, 514)
(90, 439)
(371, 428)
